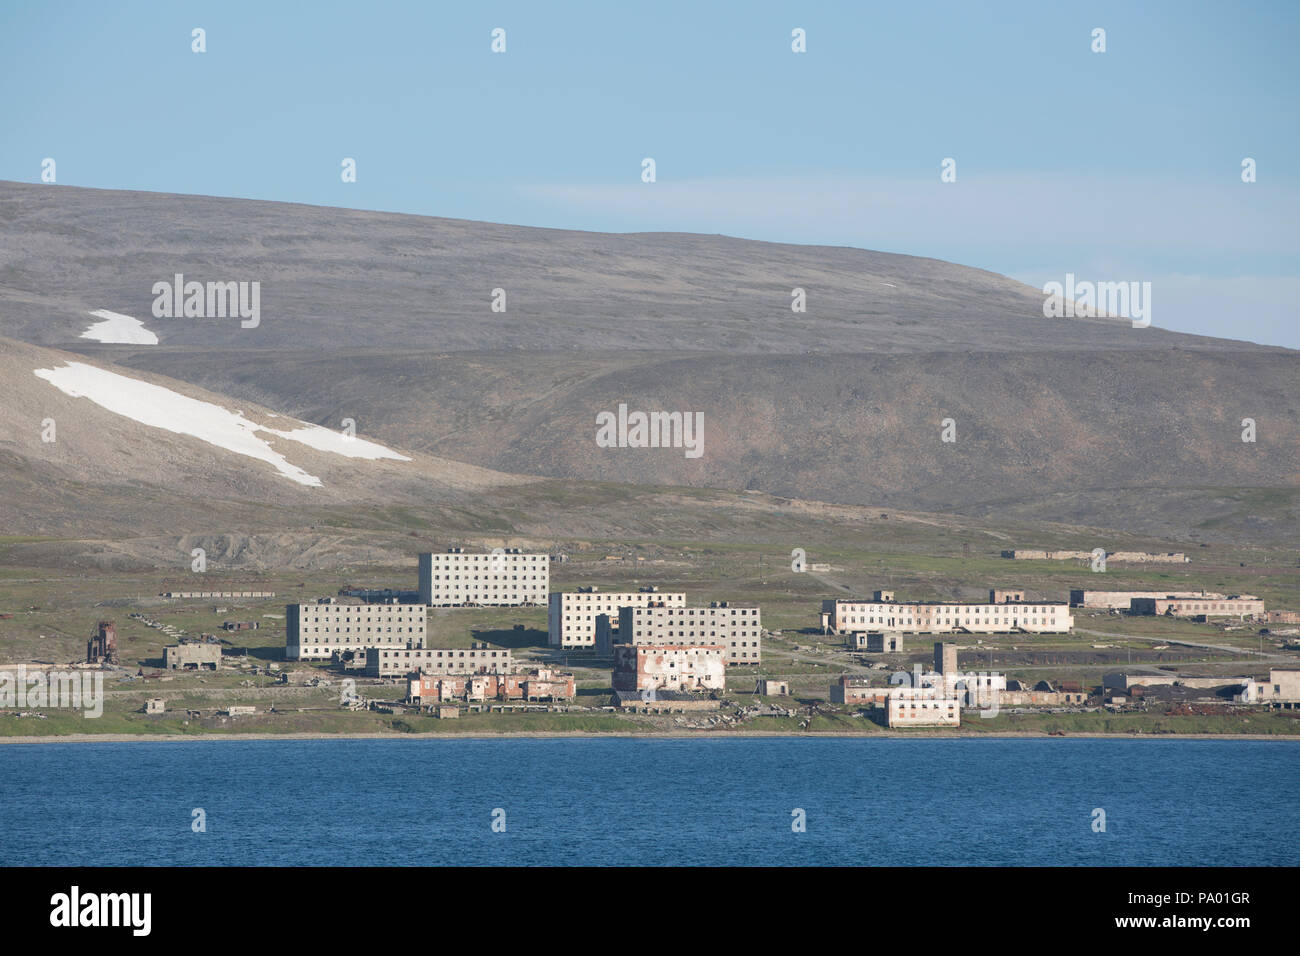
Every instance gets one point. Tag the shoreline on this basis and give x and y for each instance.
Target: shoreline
(585, 735)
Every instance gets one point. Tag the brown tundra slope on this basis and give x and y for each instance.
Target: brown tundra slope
(386, 319)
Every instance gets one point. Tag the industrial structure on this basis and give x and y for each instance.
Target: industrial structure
(192, 656)
(102, 646)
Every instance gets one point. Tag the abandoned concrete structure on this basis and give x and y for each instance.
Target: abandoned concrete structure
(321, 630)
(772, 688)
(192, 656)
(1126, 557)
(857, 690)
(1241, 606)
(507, 576)
(155, 705)
(571, 619)
(477, 659)
(679, 667)
(922, 707)
(536, 685)
(875, 642)
(884, 613)
(1120, 600)
(203, 593)
(102, 646)
(737, 628)
(663, 701)
(945, 658)
(1281, 690)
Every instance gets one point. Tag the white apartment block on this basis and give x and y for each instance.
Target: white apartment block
(922, 707)
(883, 613)
(738, 629)
(477, 659)
(571, 619)
(505, 576)
(321, 630)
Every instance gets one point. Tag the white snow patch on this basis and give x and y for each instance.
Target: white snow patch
(326, 439)
(118, 329)
(163, 408)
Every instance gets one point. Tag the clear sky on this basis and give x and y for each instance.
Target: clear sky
(1117, 166)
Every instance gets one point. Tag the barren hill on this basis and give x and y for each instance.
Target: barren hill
(386, 319)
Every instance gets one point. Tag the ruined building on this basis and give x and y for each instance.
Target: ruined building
(102, 646)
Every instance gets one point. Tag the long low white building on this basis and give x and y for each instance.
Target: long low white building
(1003, 613)
(502, 577)
(571, 618)
(319, 631)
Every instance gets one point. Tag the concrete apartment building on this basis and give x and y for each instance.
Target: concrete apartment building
(536, 685)
(1000, 615)
(571, 619)
(504, 577)
(687, 668)
(477, 659)
(1241, 606)
(921, 707)
(321, 630)
(739, 629)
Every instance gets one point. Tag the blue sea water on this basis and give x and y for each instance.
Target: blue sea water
(652, 802)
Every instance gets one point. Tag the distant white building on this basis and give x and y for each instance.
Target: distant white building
(319, 631)
(505, 576)
(922, 707)
(571, 619)
(1000, 615)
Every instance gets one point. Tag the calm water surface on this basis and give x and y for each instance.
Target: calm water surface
(652, 802)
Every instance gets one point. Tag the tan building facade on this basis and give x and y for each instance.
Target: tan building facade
(321, 630)
(571, 617)
(503, 577)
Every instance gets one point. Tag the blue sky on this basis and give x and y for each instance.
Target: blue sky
(1123, 165)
